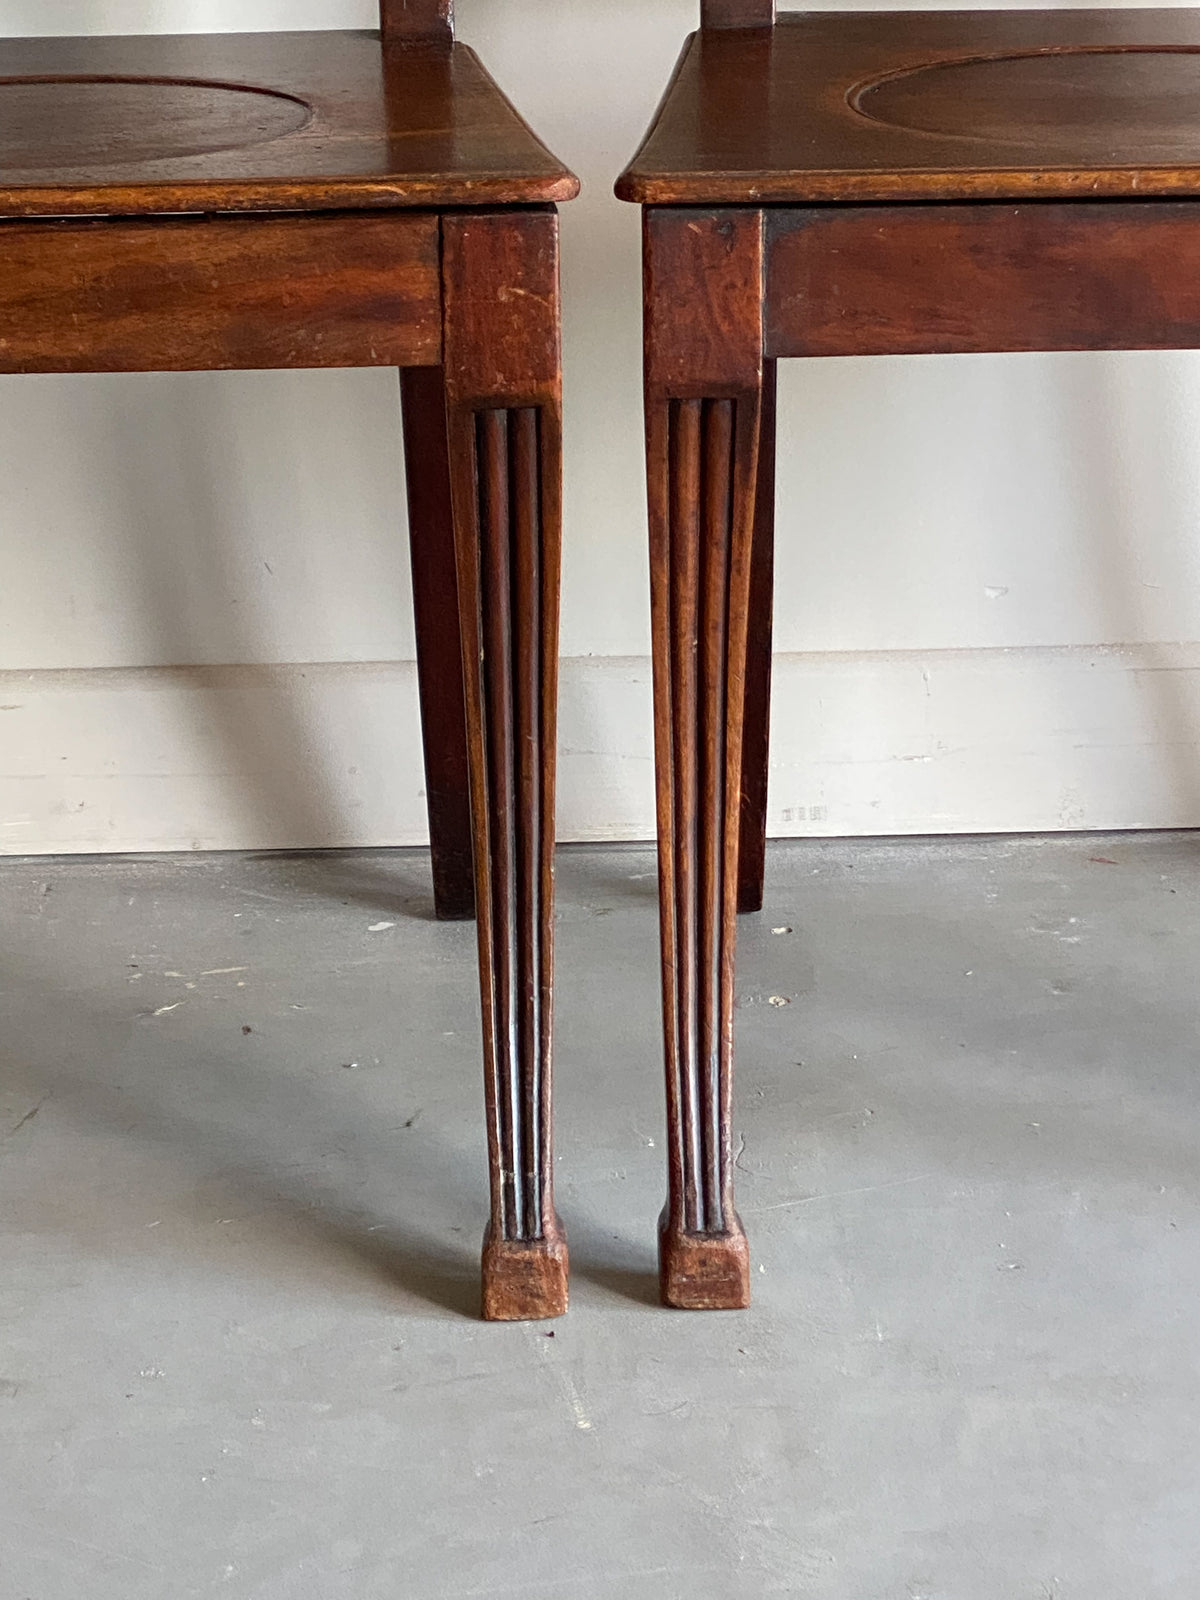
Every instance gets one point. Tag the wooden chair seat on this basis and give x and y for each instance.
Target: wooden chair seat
(912, 105)
(241, 122)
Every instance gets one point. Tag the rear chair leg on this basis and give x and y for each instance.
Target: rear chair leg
(703, 402)
(503, 389)
(439, 641)
(756, 731)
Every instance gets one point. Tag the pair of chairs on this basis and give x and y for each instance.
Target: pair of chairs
(816, 184)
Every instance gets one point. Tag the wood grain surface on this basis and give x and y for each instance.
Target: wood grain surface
(914, 105)
(173, 295)
(311, 121)
(1071, 275)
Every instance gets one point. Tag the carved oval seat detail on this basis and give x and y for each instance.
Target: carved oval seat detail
(1079, 93)
(56, 124)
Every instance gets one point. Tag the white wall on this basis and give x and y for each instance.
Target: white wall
(988, 566)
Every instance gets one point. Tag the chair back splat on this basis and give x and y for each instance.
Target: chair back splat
(406, 21)
(736, 13)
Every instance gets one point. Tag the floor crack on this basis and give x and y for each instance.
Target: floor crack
(28, 1117)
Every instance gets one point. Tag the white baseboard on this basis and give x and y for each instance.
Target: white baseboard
(329, 755)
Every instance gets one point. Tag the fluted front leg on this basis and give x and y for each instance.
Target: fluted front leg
(504, 400)
(704, 398)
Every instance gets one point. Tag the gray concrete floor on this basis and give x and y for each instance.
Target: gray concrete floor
(242, 1189)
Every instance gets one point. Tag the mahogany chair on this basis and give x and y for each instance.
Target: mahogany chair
(852, 184)
(335, 200)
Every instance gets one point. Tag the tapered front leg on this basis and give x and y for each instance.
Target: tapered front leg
(703, 403)
(503, 388)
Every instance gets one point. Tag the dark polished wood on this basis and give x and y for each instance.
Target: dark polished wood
(504, 394)
(916, 105)
(334, 200)
(852, 184)
(315, 121)
(439, 641)
(169, 294)
(756, 728)
(704, 379)
(916, 279)
(404, 21)
(737, 13)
